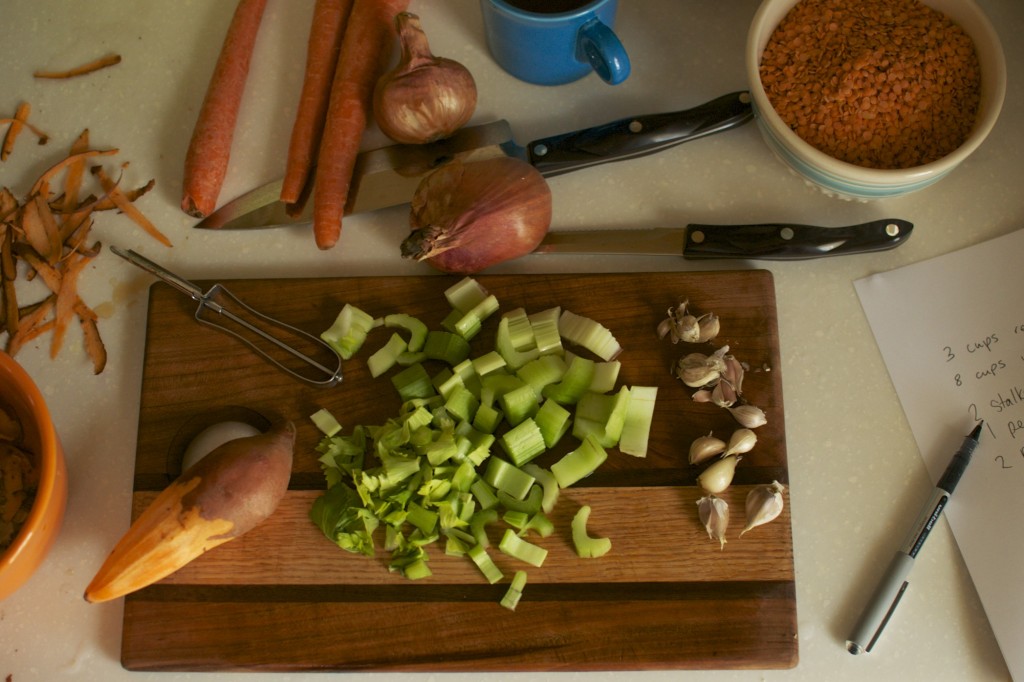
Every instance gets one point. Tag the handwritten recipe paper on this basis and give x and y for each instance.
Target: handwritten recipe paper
(951, 331)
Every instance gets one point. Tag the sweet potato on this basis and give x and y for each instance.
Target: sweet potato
(219, 498)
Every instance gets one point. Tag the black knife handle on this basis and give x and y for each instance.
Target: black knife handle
(783, 241)
(637, 135)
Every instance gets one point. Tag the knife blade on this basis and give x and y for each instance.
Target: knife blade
(388, 176)
(765, 241)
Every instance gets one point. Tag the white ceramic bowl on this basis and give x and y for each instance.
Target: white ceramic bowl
(850, 181)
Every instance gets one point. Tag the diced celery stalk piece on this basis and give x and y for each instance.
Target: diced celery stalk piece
(326, 422)
(505, 345)
(487, 419)
(470, 324)
(540, 524)
(601, 416)
(349, 330)
(454, 546)
(520, 330)
(423, 519)
(464, 476)
(462, 404)
(586, 546)
(636, 430)
(554, 421)
(546, 336)
(549, 484)
(518, 404)
(589, 334)
(516, 519)
(497, 383)
(478, 525)
(531, 504)
(545, 370)
(405, 359)
(488, 362)
(574, 383)
(485, 563)
(504, 476)
(413, 382)
(579, 463)
(446, 347)
(484, 494)
(514, 593)
(446, 381)
(605, 376)
(386, 356)
(417, 570)
(518, 548)
(465, 294)
(416, 328)
(522, 443)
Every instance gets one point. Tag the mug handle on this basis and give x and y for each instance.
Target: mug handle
(598, 45)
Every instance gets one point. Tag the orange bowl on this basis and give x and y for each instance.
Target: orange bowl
(18, 393)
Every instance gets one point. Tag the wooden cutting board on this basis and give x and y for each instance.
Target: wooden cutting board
(284, 597)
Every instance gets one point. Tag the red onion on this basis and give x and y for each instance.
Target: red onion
(469, 216)
(424, 98)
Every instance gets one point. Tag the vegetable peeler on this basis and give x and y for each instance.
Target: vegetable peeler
(298, 353)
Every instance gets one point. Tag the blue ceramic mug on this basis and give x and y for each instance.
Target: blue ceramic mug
(550, 42)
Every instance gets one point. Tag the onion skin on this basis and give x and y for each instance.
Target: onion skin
(424, 98)
(469, 216)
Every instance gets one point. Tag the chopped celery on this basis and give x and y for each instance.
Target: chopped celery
(462, 404)
(485, 563)
(547, 482)
(446, 347)
(579, 463)
(416, 328)
(487, 419)
(478, 525)
(530, 504)
(518, 548)
(505, 345)
(515, 591)
(518, 404)
(605, 376)
(554, 421)
(471, 322)
(540, 524)
(523, 442)
(575, 382)
(542, 371)
(326, 422)
(503, 476)
(516, 519)
(417, 570)
(601, 416)
(586, 546)
(349, 330)
(488, 362)
(386, 357)
(484, 494)
(422, 518)
(636, 429)
(546, 336)
(589, 334)
(413, 382)
(464, 476)
(465, 294)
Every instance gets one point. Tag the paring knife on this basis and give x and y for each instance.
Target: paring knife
(389, 176)
(769, 241)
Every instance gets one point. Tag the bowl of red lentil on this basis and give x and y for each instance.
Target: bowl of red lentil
(33, 478)
(868, 99)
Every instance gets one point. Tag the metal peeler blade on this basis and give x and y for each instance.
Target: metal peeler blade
(263, 334)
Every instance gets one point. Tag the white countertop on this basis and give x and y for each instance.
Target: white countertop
(855, 471)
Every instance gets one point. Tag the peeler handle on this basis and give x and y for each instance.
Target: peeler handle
(294, 351)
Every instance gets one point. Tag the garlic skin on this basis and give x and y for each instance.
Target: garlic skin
(697, 370)
(749, 416)
(714, 514)
(764, 503)
(706, 447)
(718, 476)
(423, 98)
(742, 441)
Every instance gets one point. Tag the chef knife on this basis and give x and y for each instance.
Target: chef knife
(768, 241)
(389, 176)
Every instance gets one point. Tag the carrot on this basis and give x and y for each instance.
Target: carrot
(81, 70)
(206, 162)
(325, 35)
(67, 297)
(126, 207)
(91, 333)
(369, 37)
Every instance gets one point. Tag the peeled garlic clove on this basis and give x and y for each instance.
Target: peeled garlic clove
(741, 441)
(764, 504)
(749, 416)
(714, 514)
(705, 447)
(708, 326)
(718, 476)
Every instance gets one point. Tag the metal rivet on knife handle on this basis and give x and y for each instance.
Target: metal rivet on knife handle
(892, 229)
(696, 236)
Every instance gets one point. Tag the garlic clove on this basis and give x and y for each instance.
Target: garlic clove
(764, 503)
(702, 396)
(708, 326)
(741, 441)
(733, 373)
(718, 476)
(697, 370)
(714, 514)
(723, 395)
(705, 447)
(749, 416)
